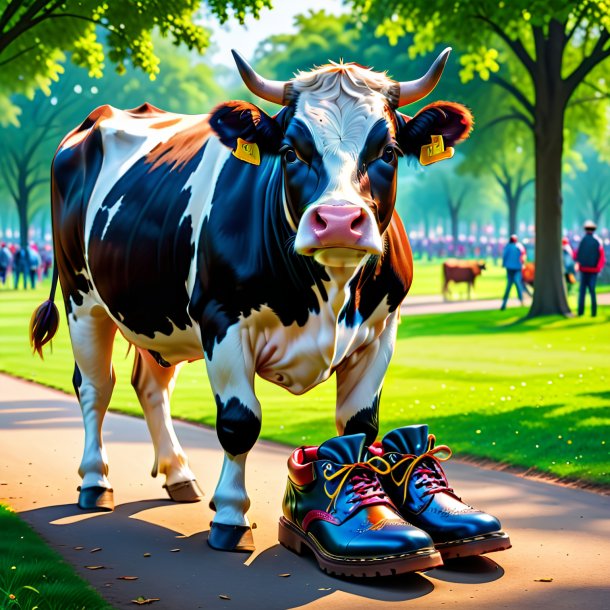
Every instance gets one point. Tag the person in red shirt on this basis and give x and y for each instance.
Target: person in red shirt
(591, 259)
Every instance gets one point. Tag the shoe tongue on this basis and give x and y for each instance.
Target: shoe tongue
(409, 439)
(343, 449)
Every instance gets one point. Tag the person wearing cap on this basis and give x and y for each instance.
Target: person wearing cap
(591, 259)
(569, 268)
(512, 260)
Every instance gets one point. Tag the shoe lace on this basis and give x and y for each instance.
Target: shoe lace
(426, 468)
(362, 475)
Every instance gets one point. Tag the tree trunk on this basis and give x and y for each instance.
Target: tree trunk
(549, 289)
(22, 209)
(513, 206)
(455, 227)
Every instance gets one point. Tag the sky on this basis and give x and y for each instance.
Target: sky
(279, 20)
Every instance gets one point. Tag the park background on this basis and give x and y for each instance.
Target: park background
(527, 387)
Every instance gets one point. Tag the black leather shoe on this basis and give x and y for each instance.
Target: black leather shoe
(418, 487)
(335, 506)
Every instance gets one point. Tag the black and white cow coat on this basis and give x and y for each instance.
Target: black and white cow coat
(291, 266)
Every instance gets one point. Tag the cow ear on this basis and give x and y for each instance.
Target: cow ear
(233, 120)
(447, 119)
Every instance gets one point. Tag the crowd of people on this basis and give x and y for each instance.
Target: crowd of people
(27, 266)
(588, 258)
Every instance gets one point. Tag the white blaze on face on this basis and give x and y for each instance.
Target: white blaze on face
(340, 104)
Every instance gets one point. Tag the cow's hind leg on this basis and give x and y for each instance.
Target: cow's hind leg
(154, 385)
(92, 333)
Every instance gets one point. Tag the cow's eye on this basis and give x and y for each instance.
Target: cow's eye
(389, 154)
(290, 156)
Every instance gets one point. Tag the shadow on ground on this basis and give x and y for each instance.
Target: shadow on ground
(196, 576)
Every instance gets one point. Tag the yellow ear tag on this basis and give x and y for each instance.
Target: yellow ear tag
(248, 152)
(435, 151)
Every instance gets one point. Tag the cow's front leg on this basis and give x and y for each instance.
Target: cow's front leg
(238, 424)
(359, 382)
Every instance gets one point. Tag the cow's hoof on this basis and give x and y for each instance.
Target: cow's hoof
(96, 498)
(184, 491)
(236, 538)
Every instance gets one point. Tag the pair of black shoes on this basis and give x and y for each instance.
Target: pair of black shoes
(381, 510)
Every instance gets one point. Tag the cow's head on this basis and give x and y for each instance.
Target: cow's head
(339, 137)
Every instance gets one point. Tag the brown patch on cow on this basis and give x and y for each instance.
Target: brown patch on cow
(398, 252)
(181, 147)
(145, 110)
(163, 124)
(77, 135)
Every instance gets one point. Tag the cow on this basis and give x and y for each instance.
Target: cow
(265, 245)
(461, 271)
(529, 275)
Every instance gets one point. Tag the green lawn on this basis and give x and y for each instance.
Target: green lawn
(34, 576)
(427, 280)
(533, 394)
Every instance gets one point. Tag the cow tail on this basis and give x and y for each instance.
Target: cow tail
(45, 319)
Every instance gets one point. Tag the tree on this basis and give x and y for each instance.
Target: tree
(26, 153)
(26, 150)
(36, 34)
(559, 46)
(591, 188)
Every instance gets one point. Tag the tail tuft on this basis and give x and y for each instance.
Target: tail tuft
(43, 325)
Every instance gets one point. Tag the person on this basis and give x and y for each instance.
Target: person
(569, 268)
(6, 258)
(34, 262)
(513, 258)
(591, 259)
(21, 266)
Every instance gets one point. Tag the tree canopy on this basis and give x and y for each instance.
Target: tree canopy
(556, 49)
(36, 37)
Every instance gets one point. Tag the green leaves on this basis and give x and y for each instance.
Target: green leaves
(480, 62)
(35, 38)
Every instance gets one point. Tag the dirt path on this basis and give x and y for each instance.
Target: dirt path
(415, 305)
(557, 533)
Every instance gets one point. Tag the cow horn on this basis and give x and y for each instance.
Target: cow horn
(270, 90)
(414, 90)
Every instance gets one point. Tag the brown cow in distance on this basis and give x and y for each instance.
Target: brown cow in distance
(461, 271)
(529, 273)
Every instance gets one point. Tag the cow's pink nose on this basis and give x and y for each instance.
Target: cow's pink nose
(335, 225)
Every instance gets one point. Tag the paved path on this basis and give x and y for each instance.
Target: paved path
(557, 533)
(415, 305)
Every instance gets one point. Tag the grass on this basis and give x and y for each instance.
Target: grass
(532, 394)
(427, 280)
(34, 576)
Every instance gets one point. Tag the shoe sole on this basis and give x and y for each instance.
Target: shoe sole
(477, 545)
(296, 540)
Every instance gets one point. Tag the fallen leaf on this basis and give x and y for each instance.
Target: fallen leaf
(324, 589)
(141, 601)
(181, 536)
(543, 580)
(95, 567)
(146, 554)
(284, 575)
(95, 550)
(174, 550)
(127, 577)
(224, 597)
(254, 526)
(79, 548)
